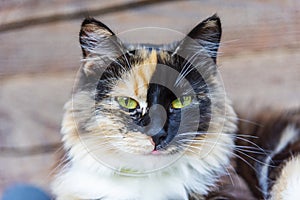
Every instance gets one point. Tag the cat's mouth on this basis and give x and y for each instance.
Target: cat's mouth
(154, 151)
(158, 148)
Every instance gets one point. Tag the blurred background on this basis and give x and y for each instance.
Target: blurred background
(40, 55)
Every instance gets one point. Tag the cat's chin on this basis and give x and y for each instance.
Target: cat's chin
(145, 162)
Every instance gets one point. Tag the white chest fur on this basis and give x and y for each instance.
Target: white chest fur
(173, 182)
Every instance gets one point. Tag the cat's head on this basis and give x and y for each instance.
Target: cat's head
(146, 101)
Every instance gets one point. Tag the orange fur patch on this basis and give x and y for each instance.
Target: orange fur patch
(135, 83)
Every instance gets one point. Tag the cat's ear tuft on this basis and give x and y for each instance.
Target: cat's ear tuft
(96, 39)
(208, 35)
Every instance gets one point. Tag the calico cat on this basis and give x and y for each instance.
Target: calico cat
(146, 121)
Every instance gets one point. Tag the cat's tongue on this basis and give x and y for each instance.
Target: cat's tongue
(155, 152)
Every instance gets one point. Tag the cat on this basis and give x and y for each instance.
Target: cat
(146, 121)
(271, 167)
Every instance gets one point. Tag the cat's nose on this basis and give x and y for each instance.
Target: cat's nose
(157, 118)
(160, 139)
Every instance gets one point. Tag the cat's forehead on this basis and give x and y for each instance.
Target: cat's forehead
(135, 82)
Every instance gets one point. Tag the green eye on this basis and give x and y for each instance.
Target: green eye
(182, 102)
(127, 102)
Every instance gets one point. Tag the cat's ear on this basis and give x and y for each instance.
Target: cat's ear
(207, 34)
(97, 39)
(100, 46)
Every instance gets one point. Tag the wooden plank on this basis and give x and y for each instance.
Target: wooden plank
(246, 27)
(62, 11)
(31, 109)
(15, 10)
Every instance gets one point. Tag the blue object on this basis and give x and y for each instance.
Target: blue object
(24, 192)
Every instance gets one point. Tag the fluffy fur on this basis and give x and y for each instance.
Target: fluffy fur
(272, 167)
(114, 153)
(288, 182)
